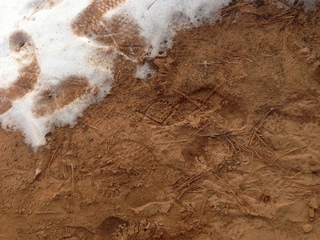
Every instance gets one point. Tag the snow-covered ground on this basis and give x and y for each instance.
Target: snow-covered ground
(47, 47)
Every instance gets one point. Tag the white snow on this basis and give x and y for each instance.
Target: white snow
(144, 72)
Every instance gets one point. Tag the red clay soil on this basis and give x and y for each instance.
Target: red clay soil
(222, 143)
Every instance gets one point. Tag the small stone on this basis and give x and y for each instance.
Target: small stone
(307, 228)
(313, 202)
(311, 212)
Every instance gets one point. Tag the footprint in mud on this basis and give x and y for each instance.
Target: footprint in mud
(56, 97)
(24, 50)
(120, 32)
(161, 109)
(88, 22)
(176, 108)
(47, 101)
(131, 156)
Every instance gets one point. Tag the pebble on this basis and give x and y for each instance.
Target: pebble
(313, 202)
(307, 228)
(311, 213)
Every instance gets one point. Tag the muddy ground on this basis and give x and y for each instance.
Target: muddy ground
(222, 143)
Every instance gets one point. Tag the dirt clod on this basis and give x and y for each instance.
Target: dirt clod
(307, 228)
(313, 202)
